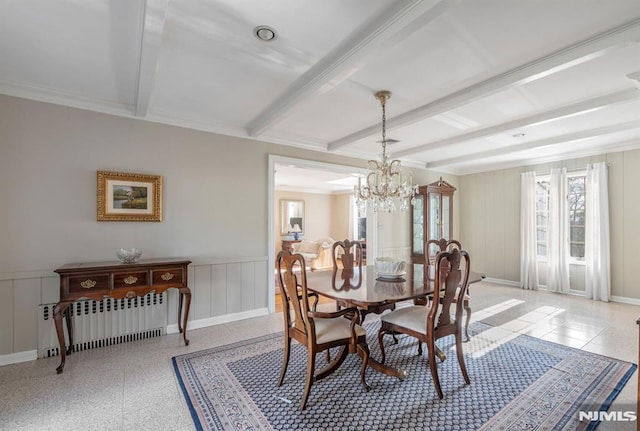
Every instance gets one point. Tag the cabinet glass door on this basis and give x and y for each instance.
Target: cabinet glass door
(417, 223)
(446, 231)
(434, 216)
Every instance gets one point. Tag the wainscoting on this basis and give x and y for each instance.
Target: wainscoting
(223, 290)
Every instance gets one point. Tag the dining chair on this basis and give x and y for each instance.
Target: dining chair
(439, 245)
(347, 258)
(349, 255)
(316, 331)
(434, 321)
(314, 296)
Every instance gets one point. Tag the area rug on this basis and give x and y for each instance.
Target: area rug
(517, 383)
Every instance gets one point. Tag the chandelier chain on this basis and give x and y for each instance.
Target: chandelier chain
(383, 100)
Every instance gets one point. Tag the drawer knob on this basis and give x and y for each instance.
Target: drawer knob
(88, 284)
(130, 294)
(130, 279)
(166, 276)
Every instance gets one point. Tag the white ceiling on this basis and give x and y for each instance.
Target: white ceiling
(477, 84)
(325, 180)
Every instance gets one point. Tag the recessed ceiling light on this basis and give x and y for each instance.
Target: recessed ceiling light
(265, 33)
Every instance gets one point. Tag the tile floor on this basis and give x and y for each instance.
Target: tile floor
(132, 386)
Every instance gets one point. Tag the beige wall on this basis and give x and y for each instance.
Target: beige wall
(326, 215)
(490, 220)
(341, 216)
(318, 213)
(215, 187)
(393, 239)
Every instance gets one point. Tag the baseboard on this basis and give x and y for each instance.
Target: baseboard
(30, 355)
(211, 321)
(503, 282)
(625, 300)
(614, 298)
(15, 358)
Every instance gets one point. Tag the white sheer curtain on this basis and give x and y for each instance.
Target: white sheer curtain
(597, 250)
(558, 233)
(528, 252)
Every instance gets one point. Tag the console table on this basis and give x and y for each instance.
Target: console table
(118, 280)
(287, 244)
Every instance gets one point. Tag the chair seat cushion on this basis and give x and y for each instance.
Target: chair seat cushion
(413, 318)
(339, 328)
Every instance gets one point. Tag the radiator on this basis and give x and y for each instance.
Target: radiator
(104, 323)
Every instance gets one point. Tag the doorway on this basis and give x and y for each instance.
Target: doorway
(342, 174)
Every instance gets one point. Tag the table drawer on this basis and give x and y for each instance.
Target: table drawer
(128, 280)
(89, 283)
(167, 276)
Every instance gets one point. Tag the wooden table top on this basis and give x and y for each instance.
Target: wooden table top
(366, 290)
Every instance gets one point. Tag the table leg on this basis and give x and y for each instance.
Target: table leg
(373, 363)
(333, 365)
(60, 309)
(180, 311)
(185, 293)
(386, 369)
(67, 314)
(439, 353)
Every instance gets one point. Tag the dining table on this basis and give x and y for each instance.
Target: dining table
(370, 292)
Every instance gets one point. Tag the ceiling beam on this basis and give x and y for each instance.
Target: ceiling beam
(570, 137)
(542, 67)
(543, 117)
(359, 44)
(155, 13)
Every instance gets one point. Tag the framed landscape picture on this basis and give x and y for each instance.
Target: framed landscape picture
(129, 197)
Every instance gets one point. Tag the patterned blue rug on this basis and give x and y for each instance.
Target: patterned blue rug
(517, 383)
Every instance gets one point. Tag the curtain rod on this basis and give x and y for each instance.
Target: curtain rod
(568, 170)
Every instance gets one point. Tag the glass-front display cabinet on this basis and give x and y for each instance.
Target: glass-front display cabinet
(431, 217)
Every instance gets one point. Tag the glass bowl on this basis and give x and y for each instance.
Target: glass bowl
(128, 255)
(389, 266)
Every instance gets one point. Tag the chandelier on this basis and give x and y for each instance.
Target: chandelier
(386, 184)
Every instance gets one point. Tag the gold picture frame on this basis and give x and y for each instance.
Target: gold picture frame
(129, 197)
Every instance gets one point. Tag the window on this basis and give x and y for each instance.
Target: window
(576, 201)
(576, 191)
(358, 220)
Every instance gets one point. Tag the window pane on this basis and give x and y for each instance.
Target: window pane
(577, 234)
(542, 216)
(576, 217)
(577, 250)
(576, 198)
(542, 249)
